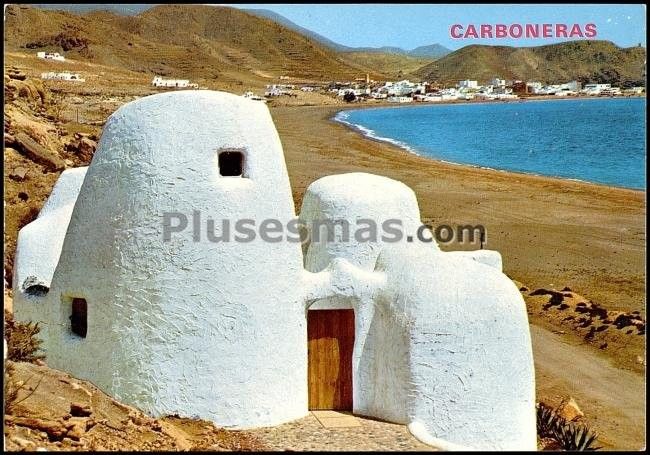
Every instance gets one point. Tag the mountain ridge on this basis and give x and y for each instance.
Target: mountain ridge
(584, 60)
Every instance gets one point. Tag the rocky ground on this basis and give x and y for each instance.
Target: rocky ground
(568, 313)
(55, 411)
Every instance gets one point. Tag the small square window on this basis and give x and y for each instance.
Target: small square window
(79, 317)
(231, 164)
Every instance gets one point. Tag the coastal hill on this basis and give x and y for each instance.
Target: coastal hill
(236, 46)
(386, 61)
(595, 61)
(187, 41)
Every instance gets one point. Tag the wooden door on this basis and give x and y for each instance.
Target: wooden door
(330, 335)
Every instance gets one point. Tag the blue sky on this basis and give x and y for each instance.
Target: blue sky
(409, 26)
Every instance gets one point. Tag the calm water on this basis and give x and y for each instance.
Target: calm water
(596, 140)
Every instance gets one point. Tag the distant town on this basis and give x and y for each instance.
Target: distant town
(404, 91)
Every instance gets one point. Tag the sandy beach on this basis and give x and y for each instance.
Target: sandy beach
(551, 232)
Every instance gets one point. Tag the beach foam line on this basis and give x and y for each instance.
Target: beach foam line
(343, 116)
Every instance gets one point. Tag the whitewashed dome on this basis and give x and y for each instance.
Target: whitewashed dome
(180, 326)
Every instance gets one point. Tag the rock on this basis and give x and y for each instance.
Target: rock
(18, 174)
(87, 148)
(31, 90)
(37, 153)
(83, 146)
(570, 411)
(21, 441)
(17, 75)
(76, 431)
(80, 410)
(53, 429)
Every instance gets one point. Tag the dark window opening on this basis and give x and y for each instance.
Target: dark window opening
(32, 286)
(231, 164)
(79, 317)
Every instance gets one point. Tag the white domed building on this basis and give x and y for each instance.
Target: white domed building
(146, 285)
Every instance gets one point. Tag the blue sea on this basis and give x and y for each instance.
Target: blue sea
(595, 140)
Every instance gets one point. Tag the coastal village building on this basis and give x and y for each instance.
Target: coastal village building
(468, 84)
(134, 293)
(533, 87)
(252, 96)
(51, 56)
(496, 82)
(399, 99)
(64, 76)
(158, 81)
(595, 89)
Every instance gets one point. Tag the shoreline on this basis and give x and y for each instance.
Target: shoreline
(550, 231)
(369, 134)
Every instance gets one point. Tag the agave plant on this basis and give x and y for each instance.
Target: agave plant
(569, 435)
(547, 420)
(576, 437)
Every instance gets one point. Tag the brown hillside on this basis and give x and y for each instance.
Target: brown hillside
(203, 42)
(596, 61)
(395, 66)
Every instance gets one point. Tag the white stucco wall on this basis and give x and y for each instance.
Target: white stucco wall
(379, 369)
(39, 246)
(202, 329)
(442, 343)
(470, 357)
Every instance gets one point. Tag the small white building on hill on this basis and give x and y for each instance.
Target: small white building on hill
(51, 56)
(158, 81)
(64, 76)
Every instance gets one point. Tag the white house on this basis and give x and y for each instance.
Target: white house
(51, 56)
(399, 99)
(611, 91)
(466, 95)
(64, 76)
(403, 88)
(138, 292)
(158, 81)
(355, 91)
(573, 86)
(533, 87)
(252, 96)
(468, 84)
(496, 82)
(595, 89)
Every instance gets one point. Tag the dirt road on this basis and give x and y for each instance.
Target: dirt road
(613, 399)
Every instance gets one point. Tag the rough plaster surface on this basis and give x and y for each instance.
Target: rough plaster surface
(39, 246)
(203, 329)
(217, 330)
(442, 339)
